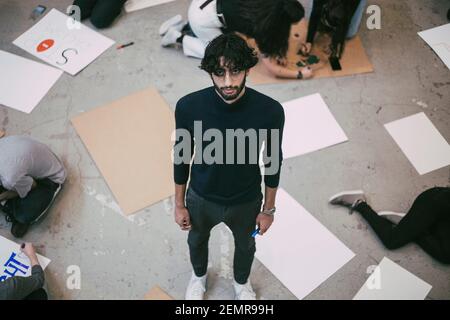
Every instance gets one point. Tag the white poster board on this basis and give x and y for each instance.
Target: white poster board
(23, 82)
(15, 263)
(309, 126)
(421, 142)
(298, 249)
(389, 281)
(439, 40)
(134, 5)
(60, 41)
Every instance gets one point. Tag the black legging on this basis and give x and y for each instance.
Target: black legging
(102, 12)
(427, 223)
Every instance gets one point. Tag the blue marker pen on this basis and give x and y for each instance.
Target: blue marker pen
(256, 232)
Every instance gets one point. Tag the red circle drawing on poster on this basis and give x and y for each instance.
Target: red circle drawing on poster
(45, 45)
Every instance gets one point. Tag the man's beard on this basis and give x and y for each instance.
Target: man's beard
(229, 97)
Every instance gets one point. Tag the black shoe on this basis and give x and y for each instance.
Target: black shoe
(8, 217)
(18, 229)
(6, 208)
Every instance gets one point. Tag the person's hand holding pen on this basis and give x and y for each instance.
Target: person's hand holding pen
(263, 221)
(29, 251)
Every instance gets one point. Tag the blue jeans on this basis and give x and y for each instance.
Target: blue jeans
(356, 20)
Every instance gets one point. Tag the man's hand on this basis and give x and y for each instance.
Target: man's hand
(263, 221)
(29, 251)
(182, 218)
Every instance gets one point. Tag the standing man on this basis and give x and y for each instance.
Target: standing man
(30, 178)
(226, 188)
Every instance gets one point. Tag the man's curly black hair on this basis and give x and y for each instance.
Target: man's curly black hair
(235, 51)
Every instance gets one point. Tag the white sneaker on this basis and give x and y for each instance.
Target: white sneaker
(170, 37)
(244, 291)
(349, 199)
(170, 23)
(196, 288)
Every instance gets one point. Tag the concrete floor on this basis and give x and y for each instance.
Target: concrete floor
(122, 258)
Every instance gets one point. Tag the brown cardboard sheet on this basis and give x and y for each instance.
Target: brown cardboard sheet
(156, 293)
(354, 61)
(130, 142)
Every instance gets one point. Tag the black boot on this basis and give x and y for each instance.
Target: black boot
(18, 229)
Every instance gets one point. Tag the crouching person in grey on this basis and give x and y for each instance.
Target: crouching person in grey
(31, 176)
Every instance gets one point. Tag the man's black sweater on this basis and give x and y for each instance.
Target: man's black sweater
(224, 183)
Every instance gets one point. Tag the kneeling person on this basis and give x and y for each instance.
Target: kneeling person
(30, 178)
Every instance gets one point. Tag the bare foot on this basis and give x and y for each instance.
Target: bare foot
(2, 133)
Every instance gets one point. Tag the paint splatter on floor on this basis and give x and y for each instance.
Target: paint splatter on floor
(104, 200)
(420, 103)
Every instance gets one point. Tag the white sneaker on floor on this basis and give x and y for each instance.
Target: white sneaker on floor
(170, 37)
(244, 291)
(170, 23)
(196, 288)
(349, 199)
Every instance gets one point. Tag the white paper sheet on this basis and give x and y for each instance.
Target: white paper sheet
(16, 262)
(298, 249)
(421, 142)
(23, 82)
(309, 126)
(134, 5)
(389, 281)
(439, 40)
(57, 41)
